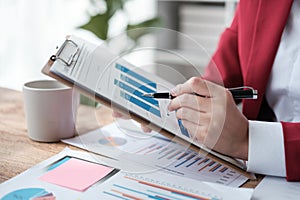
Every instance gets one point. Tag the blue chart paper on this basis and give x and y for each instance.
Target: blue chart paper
(28, 194)
(121, 83)
(117, 82)
(131, 89)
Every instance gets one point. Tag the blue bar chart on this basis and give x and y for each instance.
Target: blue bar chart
(186, 162)
(132, 86)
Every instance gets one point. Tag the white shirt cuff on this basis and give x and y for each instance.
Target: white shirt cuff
(266, 148)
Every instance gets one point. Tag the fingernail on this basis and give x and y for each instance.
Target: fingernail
(115, 114)
(173, 91)
(146, 130)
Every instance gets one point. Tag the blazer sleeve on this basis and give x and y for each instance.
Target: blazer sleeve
(291, 135)
(224, 67)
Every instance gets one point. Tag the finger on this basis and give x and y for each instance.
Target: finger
(201, 134)
(146, 129)
(198, 118)
(196, 132)
(191, 101)
(195, 84)
(116, 114)
(199, 86)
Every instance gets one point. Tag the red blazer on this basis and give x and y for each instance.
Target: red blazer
(245, 56)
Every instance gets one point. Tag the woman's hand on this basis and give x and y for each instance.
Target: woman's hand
(214, 120)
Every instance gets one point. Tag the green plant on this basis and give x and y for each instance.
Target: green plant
(99, 25)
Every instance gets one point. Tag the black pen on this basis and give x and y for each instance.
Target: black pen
(237, 93)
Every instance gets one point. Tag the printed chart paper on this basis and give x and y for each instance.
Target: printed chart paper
(120, 185)
(156, 152)
(156, 186)
(30, 194)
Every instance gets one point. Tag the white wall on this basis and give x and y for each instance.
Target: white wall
(200, 24)
(31, 30)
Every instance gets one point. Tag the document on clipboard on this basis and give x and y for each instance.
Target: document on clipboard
(115, 82)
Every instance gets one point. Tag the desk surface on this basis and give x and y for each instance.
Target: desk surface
(19, 153)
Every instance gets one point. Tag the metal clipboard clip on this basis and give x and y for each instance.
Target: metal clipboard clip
(66, 53)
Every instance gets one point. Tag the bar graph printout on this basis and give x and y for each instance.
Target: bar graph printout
(156, 186)
(154, 152)
(132, 86)
(118, 186)
(112, 78)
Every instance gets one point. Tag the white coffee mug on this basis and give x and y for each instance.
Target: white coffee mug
(50, 110)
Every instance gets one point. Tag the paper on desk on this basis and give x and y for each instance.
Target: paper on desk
(276, 188)
(161, 186)
(130, 146)
(143, 186)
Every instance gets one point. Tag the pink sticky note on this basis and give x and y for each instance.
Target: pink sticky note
(76, 174)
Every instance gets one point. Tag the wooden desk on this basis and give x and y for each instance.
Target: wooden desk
(19, 153)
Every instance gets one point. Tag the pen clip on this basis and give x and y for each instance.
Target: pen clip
(241, 88)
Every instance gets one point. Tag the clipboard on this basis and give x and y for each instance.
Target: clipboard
(69, 54)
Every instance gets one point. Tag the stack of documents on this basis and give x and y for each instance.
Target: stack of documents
(80, 175)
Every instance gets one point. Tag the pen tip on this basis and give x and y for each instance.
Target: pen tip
(147, 95)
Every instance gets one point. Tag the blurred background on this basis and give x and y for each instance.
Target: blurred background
(32, 29)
